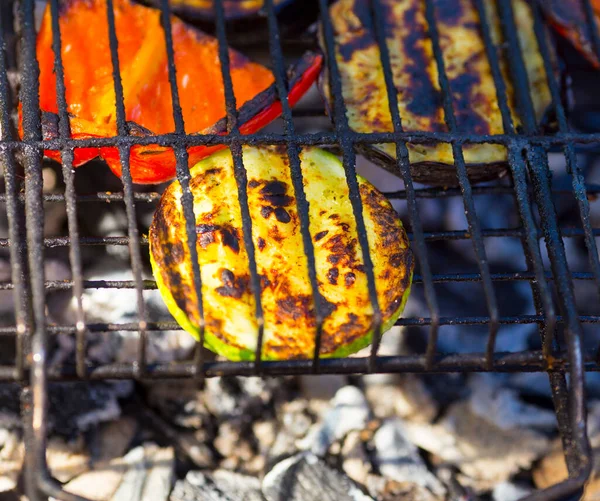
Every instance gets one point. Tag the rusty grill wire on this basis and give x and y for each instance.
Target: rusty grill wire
(530, 186)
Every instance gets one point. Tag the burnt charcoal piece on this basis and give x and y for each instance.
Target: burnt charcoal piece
(305, 476)
(220, 485)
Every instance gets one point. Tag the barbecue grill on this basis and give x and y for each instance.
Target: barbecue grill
(558, 319)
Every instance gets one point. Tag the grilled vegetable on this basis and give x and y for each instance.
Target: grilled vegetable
(246, 19)
(415, 76)
(234, 9)
(287, 301)
(568, 18)
(147, 92)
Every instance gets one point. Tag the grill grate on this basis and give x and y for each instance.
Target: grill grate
(530, 185)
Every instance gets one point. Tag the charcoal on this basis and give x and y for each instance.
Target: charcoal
(233, 444)
(409, 398)
(265, 433)
(108, 467)
(104, 305)
(67, 460)
(149, 474)
(9, 406)
(322, 387)
(181, 403)
(12, 454)
(485, 452)
(350, 411)
(553, 469)
(296, 419)
(221, 485)
(509, 491)
(490, 399)
(305, 477)
(398, 459)
(390, 490)
(241, 399)
(355, 460)
(113, 439)
(75, 407)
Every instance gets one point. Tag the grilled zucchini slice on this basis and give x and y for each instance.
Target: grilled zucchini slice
(415, 76)
(286, 296)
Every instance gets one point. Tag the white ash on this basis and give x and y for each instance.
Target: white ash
(220, 485)
(265, 433)
(107, 467)
(504, 407)
(232, 444)
(355, 460)
(305, 477)
(149, 474)
(509, 491)
(408, 398)
(389, 490)
(67, 460)
(295, 420)
(553, 469)
(239, 398)
(398, 459)
(485, 452)
(12, 455)
(182, 404)
(350, 411)
(104, 305)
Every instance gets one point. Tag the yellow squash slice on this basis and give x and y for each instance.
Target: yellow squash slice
(287, 301)
(415, 74)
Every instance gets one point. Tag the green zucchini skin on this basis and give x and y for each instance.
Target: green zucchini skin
(231, 329)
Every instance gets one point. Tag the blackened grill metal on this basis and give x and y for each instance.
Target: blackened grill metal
(530, 186)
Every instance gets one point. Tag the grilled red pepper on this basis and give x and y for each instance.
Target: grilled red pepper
(147, 92)
(568, 18)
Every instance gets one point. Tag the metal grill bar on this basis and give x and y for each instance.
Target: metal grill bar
(463, 180)
(187, 198)
(540, 289)
(68, 175)
(124, 154)
(349, 160)
(52, 285)
(428, 235)
(293, 152)
(427, 193)
(529, 361)
(403, 165)
(579, 465)
(415, 322)
(14, 211)
(526, 153)
(308, 139)
(241, 177)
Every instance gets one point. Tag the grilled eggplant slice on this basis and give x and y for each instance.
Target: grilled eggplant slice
(289, 327)
(416, 80)
(147, 92)
(568, 18)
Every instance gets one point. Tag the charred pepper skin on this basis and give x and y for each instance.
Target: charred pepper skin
(568, 18)
(286, 295)
(415, 75)
(147, 92)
